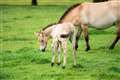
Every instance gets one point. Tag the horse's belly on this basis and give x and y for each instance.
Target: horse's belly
(103, 22)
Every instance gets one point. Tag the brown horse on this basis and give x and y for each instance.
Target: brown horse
(100, 15)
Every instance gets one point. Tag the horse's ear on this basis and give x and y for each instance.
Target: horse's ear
(37, 33)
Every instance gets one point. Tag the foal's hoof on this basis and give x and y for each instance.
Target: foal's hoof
(52, 64)
(76, 46)
(58, 63)
(87, 49)
(63, 67)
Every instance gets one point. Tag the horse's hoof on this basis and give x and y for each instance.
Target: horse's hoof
(111, 47)
(63, 67)
(52, 64)
(58, 63)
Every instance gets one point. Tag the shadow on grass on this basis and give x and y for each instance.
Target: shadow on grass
(108, 76)
(114, 69)
(24, 49)
(101, 48)
(4, 76)
(42, 61)
(78, 66)
(17, 39)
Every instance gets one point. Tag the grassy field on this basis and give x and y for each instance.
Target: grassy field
(20, 58)
(40, 2)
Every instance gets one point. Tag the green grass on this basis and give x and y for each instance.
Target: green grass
(41, 2)
(20, 58)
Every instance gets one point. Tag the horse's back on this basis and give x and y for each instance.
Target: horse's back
(101, 14)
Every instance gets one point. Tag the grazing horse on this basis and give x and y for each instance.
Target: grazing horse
(59, 34)
(97, 15)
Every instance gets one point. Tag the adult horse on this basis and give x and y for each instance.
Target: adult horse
(99, 15)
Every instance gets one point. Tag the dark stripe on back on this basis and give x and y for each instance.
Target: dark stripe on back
(67, 11)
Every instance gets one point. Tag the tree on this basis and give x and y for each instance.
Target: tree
(34, 2)
(99, 0)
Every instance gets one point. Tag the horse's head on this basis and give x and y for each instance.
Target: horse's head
(42, 38)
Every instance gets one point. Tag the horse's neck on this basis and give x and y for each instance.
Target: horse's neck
(48, 31)
(72, 16)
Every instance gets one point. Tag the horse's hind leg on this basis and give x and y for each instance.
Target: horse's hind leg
(117, 38)
(86, 36)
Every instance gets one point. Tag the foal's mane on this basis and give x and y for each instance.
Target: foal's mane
(48, 26)
(67, 11)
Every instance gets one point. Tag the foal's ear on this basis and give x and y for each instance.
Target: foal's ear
(37, 33)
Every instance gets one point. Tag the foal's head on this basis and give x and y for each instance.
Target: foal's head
(43, 39)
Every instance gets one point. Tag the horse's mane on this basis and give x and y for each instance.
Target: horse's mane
(48, 26)
(67, 11)
(99, 0)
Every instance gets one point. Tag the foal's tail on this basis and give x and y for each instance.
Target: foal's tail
(64, 35)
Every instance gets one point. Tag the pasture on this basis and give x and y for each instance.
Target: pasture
(20, 58)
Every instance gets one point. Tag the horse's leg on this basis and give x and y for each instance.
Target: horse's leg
(78, 37)
(59, 50)
(117, 37)
(74, 46)
(64, 45)
(74, 57)
(86, 36)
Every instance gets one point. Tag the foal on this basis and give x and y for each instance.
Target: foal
(59, 33)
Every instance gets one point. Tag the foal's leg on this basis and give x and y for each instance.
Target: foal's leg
(86, 36)
(117, 38)
(59, 50)
(64, 45)
(54, 45)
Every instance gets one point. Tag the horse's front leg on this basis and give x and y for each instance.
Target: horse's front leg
(64, 45)
(86, 36)
(74, 46)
